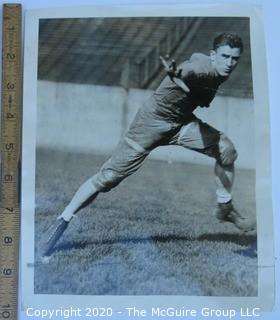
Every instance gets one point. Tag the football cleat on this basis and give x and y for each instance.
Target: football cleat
(227, 213)
(54, 233)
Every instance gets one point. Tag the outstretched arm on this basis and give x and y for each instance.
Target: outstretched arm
(174, 74)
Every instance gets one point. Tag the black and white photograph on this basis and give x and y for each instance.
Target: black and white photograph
(144, 171)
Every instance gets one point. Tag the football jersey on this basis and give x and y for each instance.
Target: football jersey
(171, 102)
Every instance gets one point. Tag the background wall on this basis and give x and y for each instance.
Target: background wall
(92, 119)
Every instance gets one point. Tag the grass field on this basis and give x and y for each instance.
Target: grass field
(155, 233)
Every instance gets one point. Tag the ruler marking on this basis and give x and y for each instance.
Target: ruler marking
(10, 156)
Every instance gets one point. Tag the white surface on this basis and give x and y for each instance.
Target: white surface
(271, 14)
(263, 161)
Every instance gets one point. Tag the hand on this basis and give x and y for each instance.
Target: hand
(171, 69)
(174, 74)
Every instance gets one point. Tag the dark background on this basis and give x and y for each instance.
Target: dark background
(104, 51)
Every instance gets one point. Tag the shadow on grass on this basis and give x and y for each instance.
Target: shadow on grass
(242, 240)
(83, 245)
(248, 240)
(251, 251)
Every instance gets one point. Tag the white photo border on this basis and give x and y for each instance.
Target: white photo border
(266, 264)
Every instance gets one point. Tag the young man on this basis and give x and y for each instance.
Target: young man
(167, 119)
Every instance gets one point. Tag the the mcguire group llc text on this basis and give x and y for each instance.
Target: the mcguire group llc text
(156, 312)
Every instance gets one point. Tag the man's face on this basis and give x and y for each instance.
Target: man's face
(224, 59)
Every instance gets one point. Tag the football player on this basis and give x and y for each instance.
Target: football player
(167, 119)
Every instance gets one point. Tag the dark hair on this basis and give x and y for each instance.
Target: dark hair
(230, 39)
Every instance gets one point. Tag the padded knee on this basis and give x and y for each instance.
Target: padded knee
(106, 179)
(228, 153)
(110, 179)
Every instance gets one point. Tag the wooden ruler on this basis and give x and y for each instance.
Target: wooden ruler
(10, 159)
